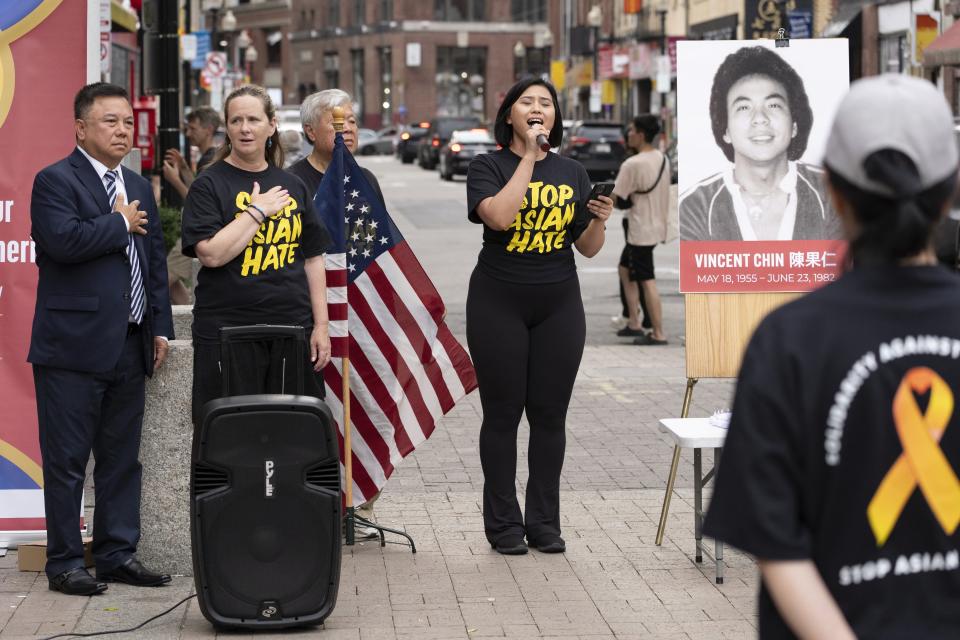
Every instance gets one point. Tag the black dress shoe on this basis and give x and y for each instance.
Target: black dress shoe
(76, 582)
(132, 572)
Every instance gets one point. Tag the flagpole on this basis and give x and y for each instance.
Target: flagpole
(352, 518)
(337, 113)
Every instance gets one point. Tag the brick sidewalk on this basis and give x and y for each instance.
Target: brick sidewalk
(613, 582)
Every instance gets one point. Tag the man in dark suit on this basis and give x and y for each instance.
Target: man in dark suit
(101, 325)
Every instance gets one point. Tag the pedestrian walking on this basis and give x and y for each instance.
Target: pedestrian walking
(840, 468)
(643, 189)
(525, 320)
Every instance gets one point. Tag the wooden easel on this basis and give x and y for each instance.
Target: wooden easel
(718, 327)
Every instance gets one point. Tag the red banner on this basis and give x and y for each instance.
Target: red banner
(759, 266)
(43, 62)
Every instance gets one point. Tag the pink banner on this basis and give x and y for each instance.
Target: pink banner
(759, 266)
(43, 62)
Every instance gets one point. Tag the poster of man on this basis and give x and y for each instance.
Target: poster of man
(753, 119)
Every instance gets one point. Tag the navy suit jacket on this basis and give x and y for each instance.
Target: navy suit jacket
(83, 294)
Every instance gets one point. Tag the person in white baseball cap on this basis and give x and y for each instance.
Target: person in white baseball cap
(840, 469)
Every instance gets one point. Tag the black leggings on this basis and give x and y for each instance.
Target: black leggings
(526, 341)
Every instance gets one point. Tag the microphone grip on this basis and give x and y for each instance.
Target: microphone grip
(543, 143)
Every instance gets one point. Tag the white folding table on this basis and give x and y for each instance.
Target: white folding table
(696, 434)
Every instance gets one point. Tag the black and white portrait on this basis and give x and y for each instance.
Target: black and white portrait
(753, 120)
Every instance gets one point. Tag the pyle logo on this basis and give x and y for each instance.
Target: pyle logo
(268, 479)
(268, 612)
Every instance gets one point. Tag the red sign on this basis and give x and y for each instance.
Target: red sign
(632, 6)
(738, 266)
(36, 129)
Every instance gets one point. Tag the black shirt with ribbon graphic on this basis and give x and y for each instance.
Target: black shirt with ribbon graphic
(844, 449)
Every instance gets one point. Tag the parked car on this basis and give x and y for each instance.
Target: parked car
(382, 144)
(598, 146)
(464, 146)
(408, 139)
(428, 151)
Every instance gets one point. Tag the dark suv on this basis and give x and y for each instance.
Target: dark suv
(410, 136)
(597, 145)
(441, 127)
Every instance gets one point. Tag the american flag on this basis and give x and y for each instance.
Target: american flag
(406, 368)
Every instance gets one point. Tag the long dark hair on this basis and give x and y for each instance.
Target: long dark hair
(503, 132)
(896, 227)
(273, 153)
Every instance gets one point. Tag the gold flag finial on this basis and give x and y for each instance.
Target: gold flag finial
(338, 119)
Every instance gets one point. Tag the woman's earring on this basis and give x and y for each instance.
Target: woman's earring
(269, 142)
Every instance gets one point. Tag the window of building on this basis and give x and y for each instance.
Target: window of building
(461, 73)
(459, 10)
(528, 10)
(386, 10)
(356, 61)
(331, 69)
(534, 62)
(386, 85)
(275, 49)
(333, 13)
(359, 12)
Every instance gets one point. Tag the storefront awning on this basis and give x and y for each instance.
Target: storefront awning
(838, 25)
(123, 17)
(945, 50)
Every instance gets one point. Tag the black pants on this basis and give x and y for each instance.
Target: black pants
(103, 412)
(526, 341)
(256, 366)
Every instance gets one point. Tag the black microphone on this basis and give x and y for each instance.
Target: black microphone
(543, 143)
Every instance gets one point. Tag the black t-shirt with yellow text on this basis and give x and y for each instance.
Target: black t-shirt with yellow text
(553, 214)
(265, 283)
(844, 449)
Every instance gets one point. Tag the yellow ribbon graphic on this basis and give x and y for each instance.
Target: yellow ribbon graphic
(922, 462)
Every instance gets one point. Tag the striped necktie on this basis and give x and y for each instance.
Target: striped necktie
(136, 280)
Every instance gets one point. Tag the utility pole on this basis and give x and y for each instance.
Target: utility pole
(168, 89)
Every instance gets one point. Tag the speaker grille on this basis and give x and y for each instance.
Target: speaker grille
(207, 478)
(324, 475)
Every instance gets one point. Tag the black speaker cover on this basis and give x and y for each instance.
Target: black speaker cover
(265, 511)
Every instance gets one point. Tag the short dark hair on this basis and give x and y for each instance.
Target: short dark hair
(503, 132)
(206, 116)
(760, 61)
(88, 94)
(647, 124)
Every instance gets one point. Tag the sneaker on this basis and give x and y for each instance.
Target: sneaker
(510, 545)
(548, 544)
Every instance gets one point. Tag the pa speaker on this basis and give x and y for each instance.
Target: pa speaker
(265, 511)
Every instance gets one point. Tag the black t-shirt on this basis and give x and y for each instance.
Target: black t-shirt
(206, 158)
(266, 283)
(311, 177)
(816, 465)
(553, 214)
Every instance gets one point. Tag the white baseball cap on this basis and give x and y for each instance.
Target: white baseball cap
(896, 112)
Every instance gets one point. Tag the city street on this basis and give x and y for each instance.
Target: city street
(613, 582)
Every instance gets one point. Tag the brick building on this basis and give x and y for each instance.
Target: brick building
(408, 60)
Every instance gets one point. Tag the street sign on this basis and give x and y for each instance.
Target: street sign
(105, 22)
(413, 54)
(188, 46)
(203, 48)
(216, 64)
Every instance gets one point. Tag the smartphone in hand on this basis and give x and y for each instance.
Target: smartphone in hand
(601, 189)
